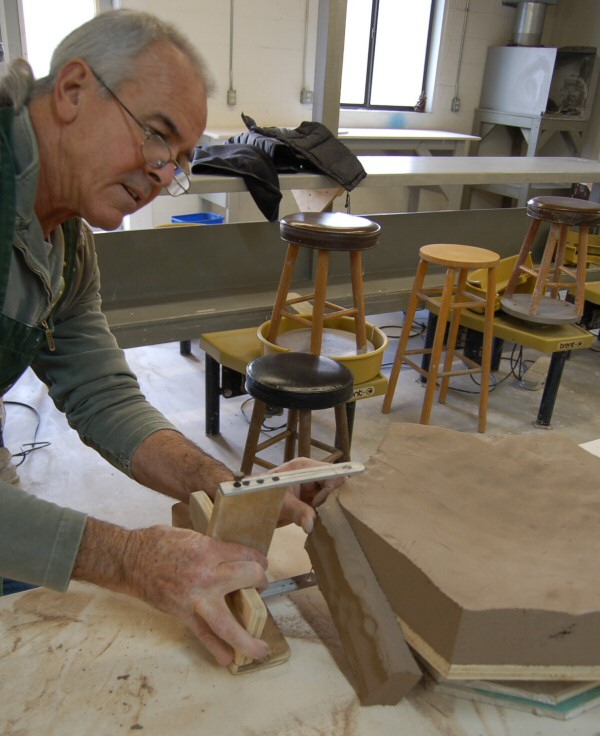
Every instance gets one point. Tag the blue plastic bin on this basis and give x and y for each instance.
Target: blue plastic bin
(198, 218)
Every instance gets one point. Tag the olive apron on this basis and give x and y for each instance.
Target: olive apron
(19, 342)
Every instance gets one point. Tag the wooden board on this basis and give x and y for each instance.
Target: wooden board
(248, 518)
(246, 604)
(568, 708)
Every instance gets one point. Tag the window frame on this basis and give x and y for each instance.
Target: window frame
(366, 104)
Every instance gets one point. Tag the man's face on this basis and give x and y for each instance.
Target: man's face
(112, 179)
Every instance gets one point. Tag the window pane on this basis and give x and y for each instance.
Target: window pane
(356, 49)
(402, 32)
(47, 23)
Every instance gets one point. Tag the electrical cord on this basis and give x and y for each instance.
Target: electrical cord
(417, 329)
(28, 447)
(264, 427)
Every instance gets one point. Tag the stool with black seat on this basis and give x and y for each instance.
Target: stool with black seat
(301, 383)
(544, 305)
(449, 302)
(324, 232)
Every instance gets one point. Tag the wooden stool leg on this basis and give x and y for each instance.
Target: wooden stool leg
(540, 285)
(358, 292)
(342, 433)
(258, 414)
(318, 316)
(405, 334)
(559, 260)
(523, 253)
(285, 282)
(304, 430)
(582, 250)
(438, 343)
(453, 335)
(486, 353)
(289, 451)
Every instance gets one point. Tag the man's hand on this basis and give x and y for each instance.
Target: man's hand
(180, 572)
(301, 500)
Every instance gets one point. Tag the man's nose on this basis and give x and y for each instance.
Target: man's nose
(164, 176)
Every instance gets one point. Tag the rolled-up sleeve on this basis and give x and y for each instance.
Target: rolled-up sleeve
(39, 540)
(88, 377)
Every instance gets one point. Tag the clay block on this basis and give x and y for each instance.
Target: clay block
(380, 659)
(486, 548)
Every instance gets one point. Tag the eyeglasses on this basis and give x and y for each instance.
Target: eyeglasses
(155, 149)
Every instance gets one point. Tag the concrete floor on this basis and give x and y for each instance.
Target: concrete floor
(70, 474)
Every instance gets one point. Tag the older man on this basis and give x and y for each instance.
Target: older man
(114, 123)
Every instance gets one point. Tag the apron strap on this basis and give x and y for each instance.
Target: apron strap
(7, 197)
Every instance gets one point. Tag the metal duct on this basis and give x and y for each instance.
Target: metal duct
(529, 25)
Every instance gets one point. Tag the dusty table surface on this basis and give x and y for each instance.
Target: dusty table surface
(90, 661)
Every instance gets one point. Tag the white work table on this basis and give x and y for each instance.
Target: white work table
(403, 140)
(429, 171)
(99, 663)
(381, 140)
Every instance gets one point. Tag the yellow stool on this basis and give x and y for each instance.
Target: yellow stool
(324, 232)
(544, 304)
(450, 301)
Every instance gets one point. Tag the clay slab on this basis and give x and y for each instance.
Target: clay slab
(487, 549)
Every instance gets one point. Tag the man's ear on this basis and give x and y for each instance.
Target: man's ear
(73, 80)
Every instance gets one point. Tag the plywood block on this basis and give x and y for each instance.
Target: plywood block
(279, 650)
(200, 511)
(180, 515)
(247, 518)
(247, 605)
(382, 664)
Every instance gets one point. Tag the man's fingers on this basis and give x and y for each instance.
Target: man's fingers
(233, 552)
(225, 634)
(297, 512)
(236, 575)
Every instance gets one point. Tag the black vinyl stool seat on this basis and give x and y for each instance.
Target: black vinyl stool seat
(300, 383)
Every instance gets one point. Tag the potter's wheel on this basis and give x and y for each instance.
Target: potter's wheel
(550, 312)
(336, 343)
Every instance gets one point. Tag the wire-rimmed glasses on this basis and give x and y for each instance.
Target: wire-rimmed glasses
(155, 149)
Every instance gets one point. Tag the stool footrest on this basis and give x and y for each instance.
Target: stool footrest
(273, 440)
(472, 299)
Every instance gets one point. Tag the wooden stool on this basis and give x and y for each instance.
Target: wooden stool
(563, 213)
(452, 298)
(325, 232)
(301, 383)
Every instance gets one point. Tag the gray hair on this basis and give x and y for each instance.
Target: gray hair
(16, 84)
(111, 42)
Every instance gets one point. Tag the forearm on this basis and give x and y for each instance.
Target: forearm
(170, 463)
(104, 557)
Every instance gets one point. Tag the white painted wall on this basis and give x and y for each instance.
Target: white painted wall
(268, 68)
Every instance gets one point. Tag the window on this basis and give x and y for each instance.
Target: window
(385, 53)
(47, 23)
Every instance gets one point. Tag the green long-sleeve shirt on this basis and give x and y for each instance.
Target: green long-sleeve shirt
(86, 374)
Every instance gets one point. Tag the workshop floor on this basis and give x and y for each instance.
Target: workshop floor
(70, 474)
